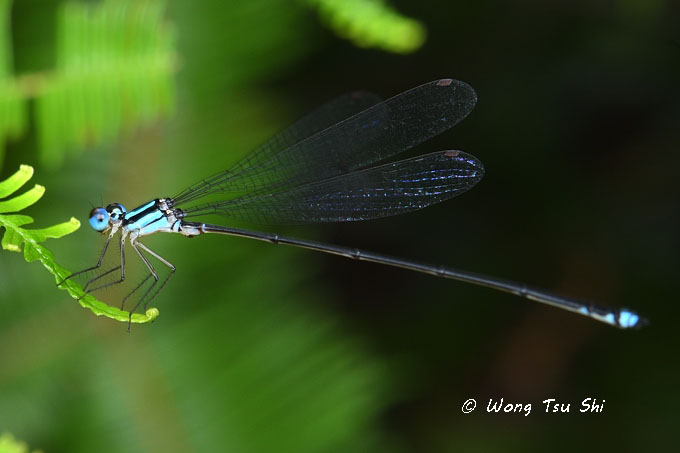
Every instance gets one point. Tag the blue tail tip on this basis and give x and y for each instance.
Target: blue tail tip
(628, 319)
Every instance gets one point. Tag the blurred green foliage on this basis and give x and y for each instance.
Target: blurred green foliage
(372, 23)
(8, 444)
(115, 62)
(12, 105)
(114, 70)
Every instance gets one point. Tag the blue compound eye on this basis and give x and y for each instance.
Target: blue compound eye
(99, 219)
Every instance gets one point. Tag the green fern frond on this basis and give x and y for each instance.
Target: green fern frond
(17, 238)
(12, 103)
(115, 61)
(372, 23)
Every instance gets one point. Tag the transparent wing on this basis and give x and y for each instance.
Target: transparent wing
(379, 132)
(322, 118)
(382, 191)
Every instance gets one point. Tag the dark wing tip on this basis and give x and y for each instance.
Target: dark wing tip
(462, 96)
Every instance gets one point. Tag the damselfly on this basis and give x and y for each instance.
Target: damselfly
(322, 169)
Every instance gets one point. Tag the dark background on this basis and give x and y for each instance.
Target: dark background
(263, 348)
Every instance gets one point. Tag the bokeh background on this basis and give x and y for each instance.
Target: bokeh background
(266, 348)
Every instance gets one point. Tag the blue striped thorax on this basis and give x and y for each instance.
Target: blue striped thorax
(152, 217)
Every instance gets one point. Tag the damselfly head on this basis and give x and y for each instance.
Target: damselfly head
(101, 219)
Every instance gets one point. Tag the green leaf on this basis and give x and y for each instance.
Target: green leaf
(22, 201)
(18, 179)
(16, 239)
